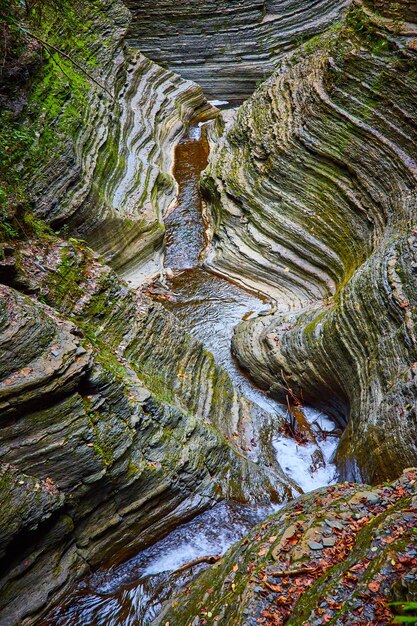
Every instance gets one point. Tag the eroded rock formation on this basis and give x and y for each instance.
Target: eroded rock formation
(106, 442)
(109, 180)
(313, 190)
(115, 424)
(226, 47)
(337, 556)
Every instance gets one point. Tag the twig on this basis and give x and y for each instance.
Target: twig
(201, 559)
(53, 59)
(296, 400)
(293, 572)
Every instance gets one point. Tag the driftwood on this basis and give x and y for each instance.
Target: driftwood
(201, 559)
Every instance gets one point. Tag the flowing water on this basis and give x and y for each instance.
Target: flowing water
(209, 307)
(132, 594)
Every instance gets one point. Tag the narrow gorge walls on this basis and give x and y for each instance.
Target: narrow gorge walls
(313, 192)
(100, 164)
(116, 425)
(226, 47)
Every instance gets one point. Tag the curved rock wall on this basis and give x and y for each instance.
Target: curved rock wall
(313, 193)
(226, 47)
(115, 424)
(101, 452)
(103, 157)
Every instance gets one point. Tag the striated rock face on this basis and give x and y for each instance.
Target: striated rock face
(104, 170)
(115, 424)
(313, 193)
(101, 452)
(336, 556)
(226, 47)
(399, 10)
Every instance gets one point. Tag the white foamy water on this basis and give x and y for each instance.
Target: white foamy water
(133, 593)
(211, 533)
(296, 459)
(218, 103)
(194, 132)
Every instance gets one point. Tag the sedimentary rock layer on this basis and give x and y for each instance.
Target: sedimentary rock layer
(226, 47)
(313, 193)
(337, 556)
(101, 452)
(399, 10)
(107, 152)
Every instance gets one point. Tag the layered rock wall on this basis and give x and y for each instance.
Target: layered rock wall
(100, 167)
(115, 424)
(400, 10)
(101, 451)
(313, 193)
(226, 47)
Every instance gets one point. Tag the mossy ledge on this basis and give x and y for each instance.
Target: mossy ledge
(338, 556)
(312, 191)
(109, 440)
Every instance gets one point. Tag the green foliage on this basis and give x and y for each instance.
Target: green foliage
(6, 226)
(15, 139)
(405, 607)
(56, 97)
(360, 26)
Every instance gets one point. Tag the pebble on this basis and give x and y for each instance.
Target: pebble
(373, 497)
(333, 523)
(329, 542)
(315, 545)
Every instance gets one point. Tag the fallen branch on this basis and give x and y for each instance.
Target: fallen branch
(201, 559)
(294, 572)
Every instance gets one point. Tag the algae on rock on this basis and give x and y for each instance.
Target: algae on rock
(337, 556)
(313, 195)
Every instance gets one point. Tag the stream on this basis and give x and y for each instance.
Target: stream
(209, 306)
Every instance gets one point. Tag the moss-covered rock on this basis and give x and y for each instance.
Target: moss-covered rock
(92, 149)
(337, 556)
(106, 400)
(313, 197)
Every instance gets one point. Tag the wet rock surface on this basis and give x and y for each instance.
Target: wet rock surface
(95, 415)
(109, 180)
(336, 556)
(116, 425)
(313, 194)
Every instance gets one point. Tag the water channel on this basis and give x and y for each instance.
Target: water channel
(209, 307)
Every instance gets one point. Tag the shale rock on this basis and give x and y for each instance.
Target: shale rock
(226, 47)
(313, 195)
(101, 162)
(276, 575)
(108, 439)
